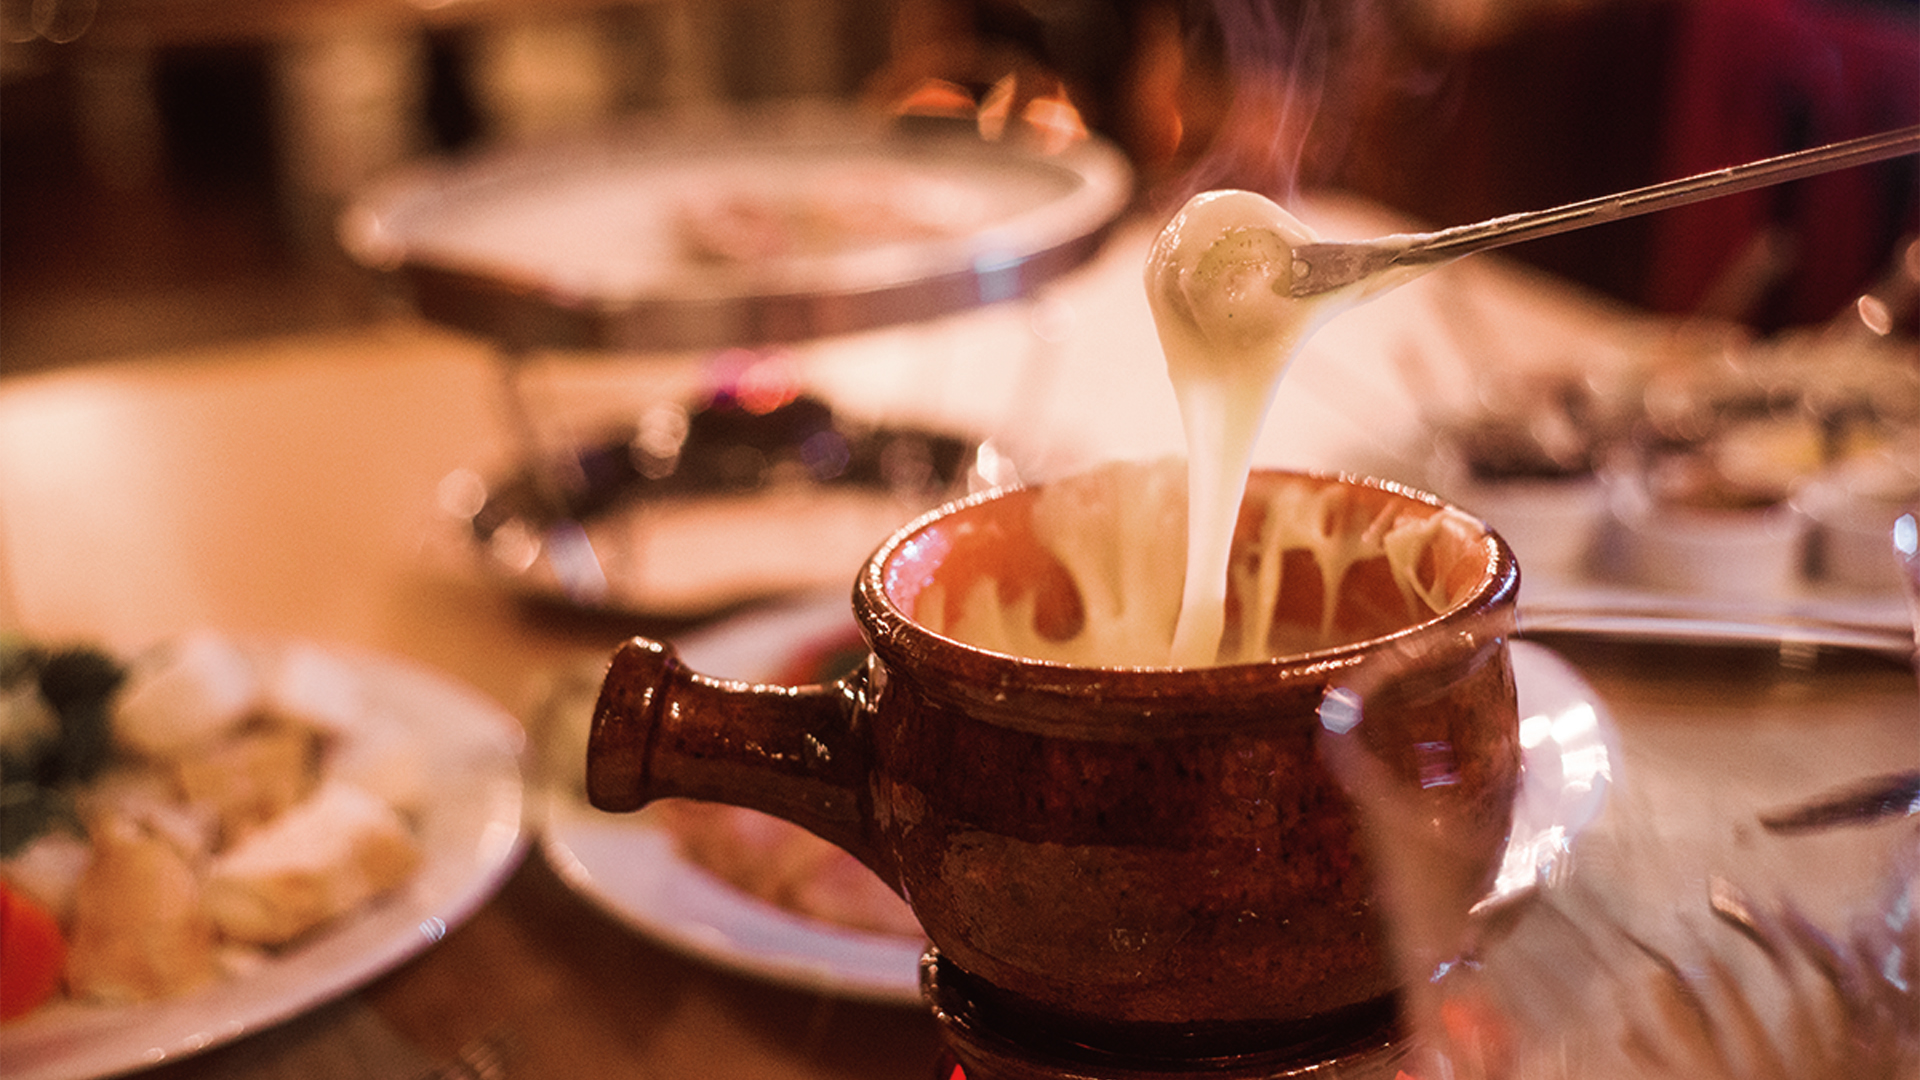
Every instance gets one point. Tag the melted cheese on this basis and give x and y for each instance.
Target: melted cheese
(1116, 531)
(1218, 279)
(1150, 547)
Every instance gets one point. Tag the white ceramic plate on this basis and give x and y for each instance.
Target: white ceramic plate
(633, 870)
(471, 836)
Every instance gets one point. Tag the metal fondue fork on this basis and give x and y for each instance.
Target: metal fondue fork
(1323, 267)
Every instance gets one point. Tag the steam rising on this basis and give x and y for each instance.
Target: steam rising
(1282, 62)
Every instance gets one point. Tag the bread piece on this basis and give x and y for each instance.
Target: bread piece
(139, 932)
(251, 778)
(388, 760)
(185, 696)
(308, 685)
(320, 859)
(140, 795)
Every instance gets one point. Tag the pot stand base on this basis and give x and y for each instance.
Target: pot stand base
(984, 1040)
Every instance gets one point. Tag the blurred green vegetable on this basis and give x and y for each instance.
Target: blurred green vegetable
(56, 733)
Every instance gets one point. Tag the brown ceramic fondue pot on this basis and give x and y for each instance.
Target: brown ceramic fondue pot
(1152, 860)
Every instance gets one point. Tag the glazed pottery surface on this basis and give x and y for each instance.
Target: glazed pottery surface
(1132, 856)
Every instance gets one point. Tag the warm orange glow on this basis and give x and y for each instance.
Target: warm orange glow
(1053, 118)
(997, 107)
(1056, 121)
(1156, 97)
(936, 97)
(762, 383)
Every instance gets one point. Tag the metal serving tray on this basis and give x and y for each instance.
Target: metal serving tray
(580, 244)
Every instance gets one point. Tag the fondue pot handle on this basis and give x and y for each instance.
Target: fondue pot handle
(662, 730)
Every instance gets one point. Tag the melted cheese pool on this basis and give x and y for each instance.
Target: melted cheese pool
(1088, 570)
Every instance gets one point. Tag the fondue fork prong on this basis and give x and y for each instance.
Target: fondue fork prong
(1323, 267)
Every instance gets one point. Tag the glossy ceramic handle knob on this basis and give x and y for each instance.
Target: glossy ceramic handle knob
(663, 730)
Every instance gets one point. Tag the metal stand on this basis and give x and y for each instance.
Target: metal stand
(983, 1042)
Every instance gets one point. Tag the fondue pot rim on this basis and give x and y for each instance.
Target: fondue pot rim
(895, 635)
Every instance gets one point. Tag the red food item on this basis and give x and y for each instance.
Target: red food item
(33, 953)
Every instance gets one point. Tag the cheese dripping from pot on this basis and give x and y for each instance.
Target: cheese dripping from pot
(1218, 278)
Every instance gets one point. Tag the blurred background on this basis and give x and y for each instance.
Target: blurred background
(170, 169)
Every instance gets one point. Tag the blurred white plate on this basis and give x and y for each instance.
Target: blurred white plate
(1599, 570)
(471, 837)
(633, 869)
